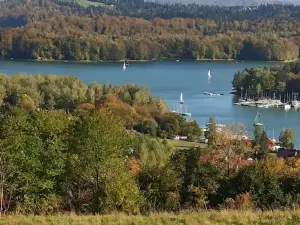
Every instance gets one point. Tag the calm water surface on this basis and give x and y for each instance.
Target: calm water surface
(167, 79)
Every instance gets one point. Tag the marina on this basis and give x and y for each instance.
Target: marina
(268, 103)
(289, 100)
(265, 103)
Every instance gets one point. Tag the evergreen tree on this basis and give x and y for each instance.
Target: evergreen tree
(212, 132)
(287, 138)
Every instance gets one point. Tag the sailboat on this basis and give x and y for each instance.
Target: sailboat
(181, 112)
(124, 66)
(209, 76)
(273, 137)
(174, 109)
(286, 105)
(210, 93)
(256, 122)
(181, 98)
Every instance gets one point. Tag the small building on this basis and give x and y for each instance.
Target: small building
(177, 137)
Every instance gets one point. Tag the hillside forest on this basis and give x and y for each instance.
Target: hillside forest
(62, 30)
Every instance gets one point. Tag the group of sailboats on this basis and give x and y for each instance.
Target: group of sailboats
(182, 110)
(265, 102)
(288, 101)
(209, 92)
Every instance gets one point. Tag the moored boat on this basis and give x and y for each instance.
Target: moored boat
(126, 63)
(287, 106)
(296, 104)
(256, 121)
(209, 92)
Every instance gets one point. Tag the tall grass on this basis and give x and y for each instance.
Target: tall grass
(206, 218)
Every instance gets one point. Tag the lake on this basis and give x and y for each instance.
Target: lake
(167, 79)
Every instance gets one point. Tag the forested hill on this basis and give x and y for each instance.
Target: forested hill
(18, 12)
(231, 2)
(63, 30)
(148, 10)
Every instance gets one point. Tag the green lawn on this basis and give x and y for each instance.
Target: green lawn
(193, 218)
(186, 144)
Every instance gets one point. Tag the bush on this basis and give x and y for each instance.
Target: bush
(46, 205)
(241, 202)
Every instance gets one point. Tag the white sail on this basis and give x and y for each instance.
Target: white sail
(181, 98)
(124, 66)
(209, 76)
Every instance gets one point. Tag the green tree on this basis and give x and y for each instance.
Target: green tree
(262, 183)
(212, 132)
(171, 123)
(160, 187)
(32, 145)
(264, 142)
(200, 176)
(27, 102)
(192, 130)
(287, 138)
(99, 138)
(152, 152)
(261, 140)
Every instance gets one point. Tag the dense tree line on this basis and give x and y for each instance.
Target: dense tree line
(67, 92)
(277, 81)
(135, 104)
(43, 9)
(65, 30)
(117, 38)
(86, 162)
(151, 9)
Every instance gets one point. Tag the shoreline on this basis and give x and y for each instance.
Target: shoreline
(218, 60)
(142, 60)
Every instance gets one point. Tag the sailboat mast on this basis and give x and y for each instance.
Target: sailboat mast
(181, 98)
(241, 92)
(209, 77)
(174, 106)
(181, 103)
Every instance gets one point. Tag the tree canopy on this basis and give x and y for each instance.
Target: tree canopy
(280, 81)
(85, 161)
(65, 30)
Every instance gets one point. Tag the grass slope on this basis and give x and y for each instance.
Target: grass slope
(206, 218)
(86, 3)
(185, 144)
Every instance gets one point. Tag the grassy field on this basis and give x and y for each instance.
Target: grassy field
(86, 3)
(205, 218)
(185, 144)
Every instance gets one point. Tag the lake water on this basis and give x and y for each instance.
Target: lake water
(167, 79)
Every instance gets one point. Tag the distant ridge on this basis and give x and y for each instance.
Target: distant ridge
(231, 2)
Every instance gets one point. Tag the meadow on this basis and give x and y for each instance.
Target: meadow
(223, 217)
